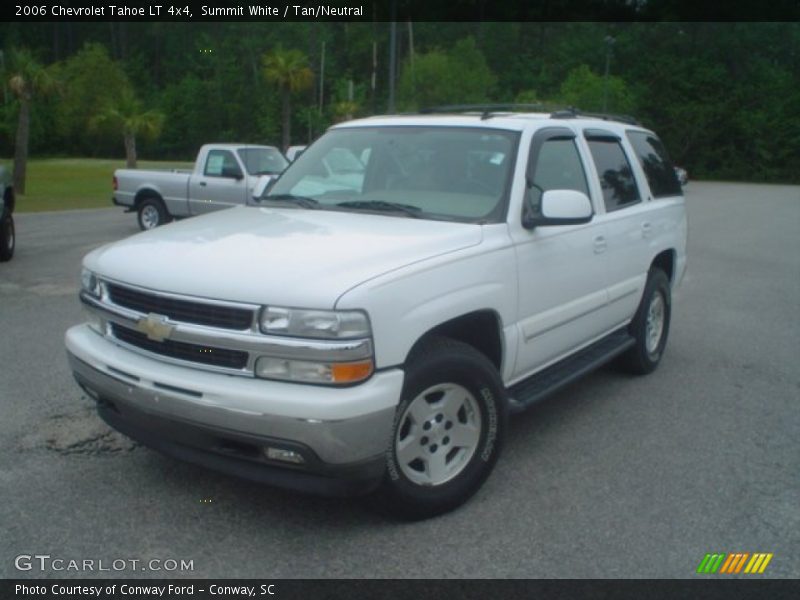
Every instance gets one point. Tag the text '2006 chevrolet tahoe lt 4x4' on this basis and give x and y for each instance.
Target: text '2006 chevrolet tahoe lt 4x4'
(373, 331)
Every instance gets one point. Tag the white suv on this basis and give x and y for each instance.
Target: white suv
(373, 332)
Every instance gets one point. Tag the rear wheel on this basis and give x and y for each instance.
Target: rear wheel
(7, 238)
(152, 213)
(448, 430)
(650, 325)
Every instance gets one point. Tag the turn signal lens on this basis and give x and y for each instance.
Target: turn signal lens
(351, 372)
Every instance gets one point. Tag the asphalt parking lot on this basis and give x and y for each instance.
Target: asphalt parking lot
(614, 477)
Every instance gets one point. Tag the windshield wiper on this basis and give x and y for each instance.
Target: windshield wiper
(382, 205)
(303, 201)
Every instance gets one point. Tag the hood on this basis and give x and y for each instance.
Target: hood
(280, 256)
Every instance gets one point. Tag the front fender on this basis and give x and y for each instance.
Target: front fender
(407, 303)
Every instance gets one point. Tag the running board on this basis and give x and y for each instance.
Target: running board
(528, 392)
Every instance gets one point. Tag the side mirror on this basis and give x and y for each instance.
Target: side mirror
(261, 186)
(560, 207)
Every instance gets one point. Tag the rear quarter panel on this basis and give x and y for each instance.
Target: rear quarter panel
(172, 187)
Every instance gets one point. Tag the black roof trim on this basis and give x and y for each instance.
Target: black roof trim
(576, 113)
(486, 110)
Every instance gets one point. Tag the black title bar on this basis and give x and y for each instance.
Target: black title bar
(413, 589)
(402, 10)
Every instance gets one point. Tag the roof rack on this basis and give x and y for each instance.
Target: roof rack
(575, 113)
(486, 110)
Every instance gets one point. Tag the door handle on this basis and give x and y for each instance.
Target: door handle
(203, 183)
(647, 229)
(600, 244)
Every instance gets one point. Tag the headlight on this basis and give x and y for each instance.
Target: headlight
(324, 324)
(320, 325)
(89, 283)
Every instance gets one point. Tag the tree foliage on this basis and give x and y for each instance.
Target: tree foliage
(127, 119)
(91, 81)
(583, 88)
(289, 71)
(28, 80)
(723, 96)
(456, 76)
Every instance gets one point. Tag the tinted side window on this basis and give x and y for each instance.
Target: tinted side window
(655, 163)
(616, 176)
(558, 167)
(221, 163)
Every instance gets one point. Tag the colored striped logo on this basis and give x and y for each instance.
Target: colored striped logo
(737, 562)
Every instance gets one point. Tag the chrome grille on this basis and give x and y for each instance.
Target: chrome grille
(207, 355)
(187, 311)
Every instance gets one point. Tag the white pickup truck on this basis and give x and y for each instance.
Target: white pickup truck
(224, 175)
(377, 337)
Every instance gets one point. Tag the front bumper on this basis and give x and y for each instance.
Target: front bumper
(224, 422)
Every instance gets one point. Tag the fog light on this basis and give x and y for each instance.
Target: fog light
(313, 372)
(282, 455)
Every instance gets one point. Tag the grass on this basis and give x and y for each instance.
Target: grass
(70, 183)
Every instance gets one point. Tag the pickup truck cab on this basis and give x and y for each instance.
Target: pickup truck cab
(7, 233)
(224, 175)
(377, 334)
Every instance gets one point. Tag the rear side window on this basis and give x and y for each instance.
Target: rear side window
(655, 163)
(614, 170)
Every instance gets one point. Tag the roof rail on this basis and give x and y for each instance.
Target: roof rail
(575, 113)
(486, 110)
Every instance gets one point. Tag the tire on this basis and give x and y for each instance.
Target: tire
(8, 239)
(650, 325)
(152, 213)
(451, 394)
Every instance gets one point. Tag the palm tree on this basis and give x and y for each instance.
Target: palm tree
(344, 110)
(29, 79)
(290, 71)
(126, 117)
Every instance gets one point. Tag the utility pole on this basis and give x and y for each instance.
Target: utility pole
(321, 77)
(609, 43)
(374, 79)
(411, 58)
(392, 55)
(3, 71)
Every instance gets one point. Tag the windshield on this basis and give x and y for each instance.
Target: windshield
(452, 173)
(262, 161)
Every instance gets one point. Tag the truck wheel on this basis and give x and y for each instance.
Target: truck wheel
(448, 430)
(650, 325)
(7, 238)
(152, 213)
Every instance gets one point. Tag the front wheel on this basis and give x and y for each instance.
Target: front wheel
(650, 325)
(448, 430)
(7, 238)
(152, 213)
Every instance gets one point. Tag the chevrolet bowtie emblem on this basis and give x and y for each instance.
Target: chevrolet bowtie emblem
(155, 327)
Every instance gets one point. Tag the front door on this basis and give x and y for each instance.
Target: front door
(561, 269)
(221, 185)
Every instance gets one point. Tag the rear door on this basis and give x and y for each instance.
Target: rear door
(628, 222)
(222, 183)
